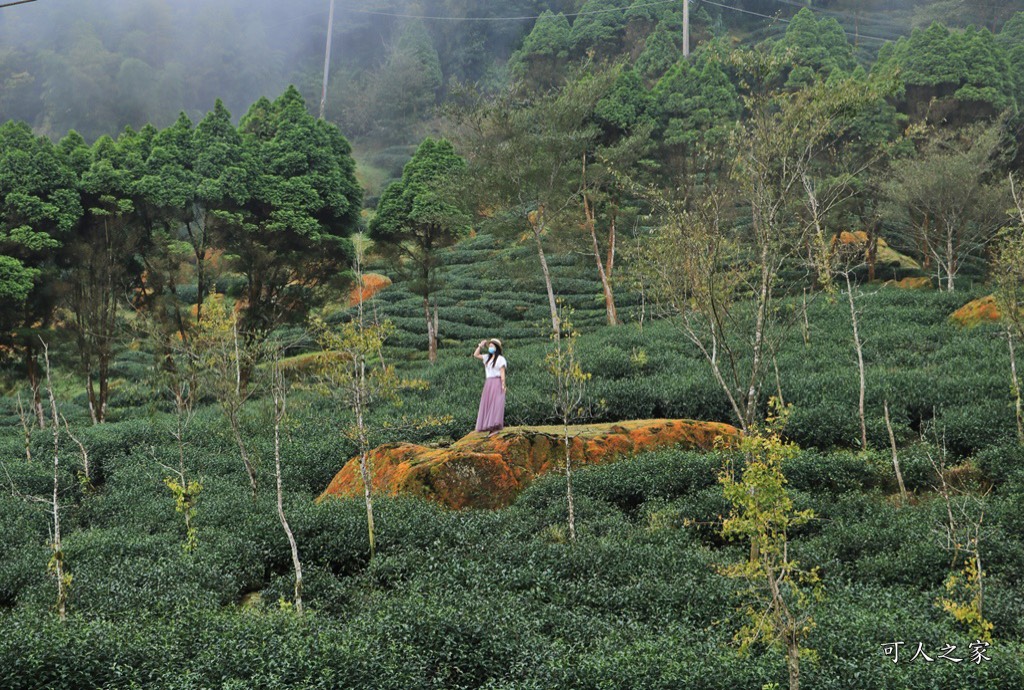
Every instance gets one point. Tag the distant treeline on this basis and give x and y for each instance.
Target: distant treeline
(100, 66)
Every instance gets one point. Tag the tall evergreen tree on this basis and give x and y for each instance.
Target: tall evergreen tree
(947, 76)
(544, 54)
(818, 47)
(101, 262)
(599, 27)
(288, 234)
(695, 101)
(417, 217)
(661, 51)
(39, 206)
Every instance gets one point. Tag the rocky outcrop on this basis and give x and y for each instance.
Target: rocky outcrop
(981, 310)
(911, 283)
(480, 471)
(884, 254)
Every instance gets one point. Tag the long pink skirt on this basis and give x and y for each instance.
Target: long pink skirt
(491, 416)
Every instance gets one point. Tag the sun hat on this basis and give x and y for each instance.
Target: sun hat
(495, 340)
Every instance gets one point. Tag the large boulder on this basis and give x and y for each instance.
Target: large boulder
(884, 254)
(981, 310)
(480, 471)
(910, 283)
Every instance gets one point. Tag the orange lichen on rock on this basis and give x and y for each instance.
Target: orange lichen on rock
(855, 237)
(981, 310)
(884, 254)
(372, 284)
(480, 471)
(911, 283)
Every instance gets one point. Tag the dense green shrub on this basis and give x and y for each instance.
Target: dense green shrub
(482, 598)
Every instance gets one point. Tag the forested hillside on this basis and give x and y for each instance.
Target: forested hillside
(803, 230)
(100, 66)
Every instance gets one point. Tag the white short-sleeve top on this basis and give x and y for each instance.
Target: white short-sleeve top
(493, 370)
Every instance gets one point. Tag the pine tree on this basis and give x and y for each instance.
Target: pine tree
(817, 48)
(542, 58)
(695, 101)
(417, 217)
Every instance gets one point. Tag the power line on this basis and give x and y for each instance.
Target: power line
(577, 14)
(768, 16)
(506, 19)
(17, 2)
(883, 23)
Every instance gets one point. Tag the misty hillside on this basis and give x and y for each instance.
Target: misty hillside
(99, 66)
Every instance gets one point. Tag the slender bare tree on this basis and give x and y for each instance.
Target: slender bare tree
(280, 392)
(1008, 269)
(895, 455)
(222, 358)
(946, 199)
(568, 394)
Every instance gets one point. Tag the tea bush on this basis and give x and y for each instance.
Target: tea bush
(501, 599)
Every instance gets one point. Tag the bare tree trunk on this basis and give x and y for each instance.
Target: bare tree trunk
(537, 227)
(82, 450)
(280, 400)
(237, 433)
(26, 429)
(199, 248)
(611, 247)
(238, 358)
(712, 358)
(872, 250)
(57, 560)
(32, 367)
(232, 412)
(431, 341)
(609, 298)
(1015, 383)
(895, 457)
(977, 565)
(860, 363)
(364, 461)
(107, 308)
(806, 324)
(91, 394)
(104, 385)
(568, 483)
(750, 412)
(950, 260)
(437, 337)
(793, 663)
(364, 471)
(778, 381)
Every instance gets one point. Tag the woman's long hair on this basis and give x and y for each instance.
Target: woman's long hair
(493, 356)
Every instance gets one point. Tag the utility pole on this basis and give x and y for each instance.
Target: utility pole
(686, 28)
(327, 60)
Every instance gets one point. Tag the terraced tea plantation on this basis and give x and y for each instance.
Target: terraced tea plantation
(501, 599)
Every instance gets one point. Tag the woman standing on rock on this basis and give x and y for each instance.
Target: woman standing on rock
(491, 416)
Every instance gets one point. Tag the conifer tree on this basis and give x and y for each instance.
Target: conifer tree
(417, 217)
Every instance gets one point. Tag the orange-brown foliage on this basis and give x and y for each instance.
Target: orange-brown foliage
(372, 284)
